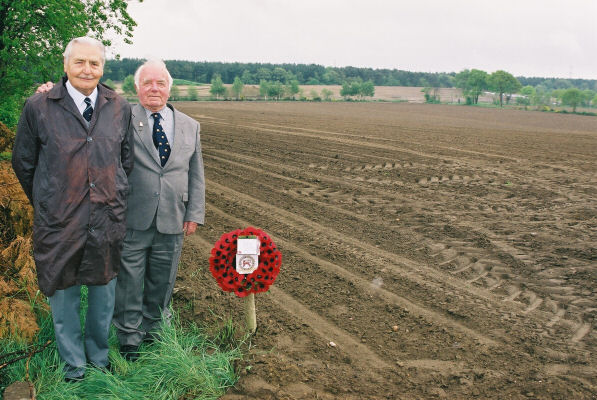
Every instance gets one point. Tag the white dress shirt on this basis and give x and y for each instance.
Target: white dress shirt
(167, 122)
(79, 98)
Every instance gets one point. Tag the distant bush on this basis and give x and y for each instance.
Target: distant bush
(110, 83)
(128, 86)
(192, 93)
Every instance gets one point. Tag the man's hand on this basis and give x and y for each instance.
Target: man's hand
(45, 87)
(189, 227)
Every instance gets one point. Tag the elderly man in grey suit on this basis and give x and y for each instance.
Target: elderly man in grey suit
(166, 200)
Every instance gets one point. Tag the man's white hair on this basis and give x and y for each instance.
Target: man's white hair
(85, 40)
(157, 63)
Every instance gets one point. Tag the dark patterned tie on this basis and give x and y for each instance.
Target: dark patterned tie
(88, 110)
(160, 141)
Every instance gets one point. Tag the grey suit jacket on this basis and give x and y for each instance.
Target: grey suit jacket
(176, 192)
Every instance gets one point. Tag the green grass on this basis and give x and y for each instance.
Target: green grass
(5, 156)
(186, 82)
(184, 362)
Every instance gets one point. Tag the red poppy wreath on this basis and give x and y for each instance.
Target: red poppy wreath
(222, 263)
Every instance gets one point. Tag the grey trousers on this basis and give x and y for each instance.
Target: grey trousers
(73, 349)
(148, 267)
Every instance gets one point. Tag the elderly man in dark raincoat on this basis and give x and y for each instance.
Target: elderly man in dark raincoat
(72, 154)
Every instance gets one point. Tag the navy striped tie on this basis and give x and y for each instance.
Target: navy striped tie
(88, 110)
(160, 141)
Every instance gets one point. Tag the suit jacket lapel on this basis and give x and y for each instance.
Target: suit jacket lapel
(179, 133)
(102, 99)
(60, 94)
(143, 131)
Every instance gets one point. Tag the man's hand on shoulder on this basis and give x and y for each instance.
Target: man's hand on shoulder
(189, 227)
(45, 87)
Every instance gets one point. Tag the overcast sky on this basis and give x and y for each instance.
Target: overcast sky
(541, 38)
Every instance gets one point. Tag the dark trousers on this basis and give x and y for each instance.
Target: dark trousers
(148, 268)
(75, 350)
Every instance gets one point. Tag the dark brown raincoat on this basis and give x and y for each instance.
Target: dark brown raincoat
(76, 180)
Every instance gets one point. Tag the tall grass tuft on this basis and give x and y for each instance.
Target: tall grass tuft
(182, 363)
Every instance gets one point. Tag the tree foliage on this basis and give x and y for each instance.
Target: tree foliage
(529, 95)
(350, 88)
(588, 95)
(572, 97)
(34, 33)
(174, 93)
(326, 94)
(356, 87)
(503, 82)
(128, 85)
(110, 83)
(367, 89)
(264, 88)
(275, 90)
(192, 93)
(237, 87)
(217, 87)
(472, 83)
(431, 95)
(313, 74)
(292, 88)
(305, 74)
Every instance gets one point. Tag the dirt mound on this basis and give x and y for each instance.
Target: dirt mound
(17, 319)
(18, 284)
(7, 138)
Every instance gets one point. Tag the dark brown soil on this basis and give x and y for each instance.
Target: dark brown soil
(428, 251)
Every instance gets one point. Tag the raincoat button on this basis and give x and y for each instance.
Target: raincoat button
(89, 139)
(92, 185)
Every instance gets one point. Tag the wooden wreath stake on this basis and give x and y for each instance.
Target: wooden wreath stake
(250, 313)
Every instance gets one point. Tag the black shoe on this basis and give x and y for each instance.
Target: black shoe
(105, 368)
(149, 338)
(74, 379)
(129, 352)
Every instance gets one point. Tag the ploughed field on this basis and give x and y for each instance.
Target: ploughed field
(428, 251)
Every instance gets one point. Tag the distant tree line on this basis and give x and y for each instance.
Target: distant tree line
(281, 81)
(304, 74)
(313, 74)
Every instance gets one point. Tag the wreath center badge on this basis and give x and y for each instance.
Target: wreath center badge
(245, 262)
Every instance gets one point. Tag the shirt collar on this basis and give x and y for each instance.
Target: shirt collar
(78, 97)
(165, 113)
(162, 112)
